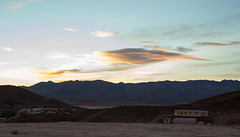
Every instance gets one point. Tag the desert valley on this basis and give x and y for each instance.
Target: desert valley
(29, 114)
(119, 68)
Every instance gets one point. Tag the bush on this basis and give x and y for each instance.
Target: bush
(14, 132)
(23, 114)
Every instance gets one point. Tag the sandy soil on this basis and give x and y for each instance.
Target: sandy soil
(68, 129)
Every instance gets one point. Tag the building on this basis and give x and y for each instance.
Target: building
(190, 113)
(51, 110)
(184, 120)
(36, 111)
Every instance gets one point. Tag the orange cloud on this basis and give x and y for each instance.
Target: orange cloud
(147, 42)
(56, 73)
(104, 34)
(142, 56)
(159, 48)
(121, 60)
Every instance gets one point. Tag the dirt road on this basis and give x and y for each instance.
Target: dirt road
(76, 129)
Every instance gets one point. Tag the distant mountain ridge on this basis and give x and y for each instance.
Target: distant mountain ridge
(162, 92)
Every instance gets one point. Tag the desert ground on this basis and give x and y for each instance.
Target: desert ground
(76, 129)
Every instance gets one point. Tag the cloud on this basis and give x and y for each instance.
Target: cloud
(184, 50)
(104, 34)
(57, 73)
(111, 62)
(180, 49)
(130, 16)
(159, 48)
(69, 29)
(217, 44)
(207, 30)
(4, 63)
(16, 6)
(141, 56)
(156, 32)
(147, 43)
(59, 55)
(7, 49)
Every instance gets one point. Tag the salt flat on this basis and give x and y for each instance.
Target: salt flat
(77, 129)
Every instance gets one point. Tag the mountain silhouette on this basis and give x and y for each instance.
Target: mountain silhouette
(163, 92)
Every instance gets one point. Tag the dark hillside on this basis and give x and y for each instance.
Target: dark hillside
(12, 97)
(222, 105)
(225, 103)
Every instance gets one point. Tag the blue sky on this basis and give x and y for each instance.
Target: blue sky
(118, 40)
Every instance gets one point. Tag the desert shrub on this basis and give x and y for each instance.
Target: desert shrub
(14, 132)
(23, 114)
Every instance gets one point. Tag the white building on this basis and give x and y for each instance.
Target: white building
(36, 111)
(190, 113)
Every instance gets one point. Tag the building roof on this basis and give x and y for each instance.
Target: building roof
(181, 110)
(51, 109)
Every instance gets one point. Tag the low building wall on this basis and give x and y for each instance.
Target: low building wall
(184, 120)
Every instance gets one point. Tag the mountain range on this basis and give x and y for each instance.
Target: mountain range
(162, 92)
(12, 97)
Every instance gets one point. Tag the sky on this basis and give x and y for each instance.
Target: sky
(119, 40)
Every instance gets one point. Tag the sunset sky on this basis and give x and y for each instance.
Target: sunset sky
(118, 40)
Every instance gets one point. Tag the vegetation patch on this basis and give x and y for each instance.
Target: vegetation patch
(15, 132)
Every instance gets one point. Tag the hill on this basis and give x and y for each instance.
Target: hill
(162, 92)
(12, 97)
(227, 104)
(224, 103)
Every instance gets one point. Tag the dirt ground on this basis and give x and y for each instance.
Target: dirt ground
(75, 129)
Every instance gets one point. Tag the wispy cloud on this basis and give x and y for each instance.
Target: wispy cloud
(56, 73)
(159, 48)
(205, 30)
(115, 61)
(184, 50)
(148, 43)
(104, 34)
(69, 29)
(130, 16)
(7, 49)
(179, 49)
(4, 63)
(142, 56)
(156, 32)
(217, 44)
(16, 5)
